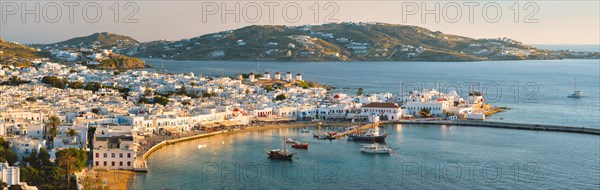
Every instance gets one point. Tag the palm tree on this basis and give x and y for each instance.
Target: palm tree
(71, 132)
(50, 128)
(64, 161)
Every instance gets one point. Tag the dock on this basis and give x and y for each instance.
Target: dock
(356, 129)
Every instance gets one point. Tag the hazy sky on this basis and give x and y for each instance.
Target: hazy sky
(537, 22)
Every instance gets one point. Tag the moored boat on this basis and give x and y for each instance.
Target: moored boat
(370, 135)
(280, 154)
(290, 140)
(299, 145)
(375, 149)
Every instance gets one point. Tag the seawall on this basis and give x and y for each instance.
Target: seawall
(505, 125)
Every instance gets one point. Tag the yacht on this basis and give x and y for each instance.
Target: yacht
(576, 93)
(375, 149)
(369, 135)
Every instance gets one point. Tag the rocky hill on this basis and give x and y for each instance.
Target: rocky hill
(339, 42)
(15, 54)
(328, 42)
(97, 40)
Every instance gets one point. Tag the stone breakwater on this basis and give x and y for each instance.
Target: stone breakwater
(505, 125)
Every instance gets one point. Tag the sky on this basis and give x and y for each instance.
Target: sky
(532, 22)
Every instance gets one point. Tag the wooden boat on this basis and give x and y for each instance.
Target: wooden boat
(370, 135)
(280, 154)
(299, 145)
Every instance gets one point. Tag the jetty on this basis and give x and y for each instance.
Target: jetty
(506, 125)
(355, 130)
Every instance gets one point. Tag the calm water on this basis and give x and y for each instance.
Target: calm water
(426, 157)
(534, 90)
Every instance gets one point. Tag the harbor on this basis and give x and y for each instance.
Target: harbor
(343, 163)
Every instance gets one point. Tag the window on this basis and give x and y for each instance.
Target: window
(128, 155)
(128, 163)
(104, 163)
(105, 155)
(121, 163)
(112, 155)
(97, 163)
(120, 155)
(113, 163)
(97, 155)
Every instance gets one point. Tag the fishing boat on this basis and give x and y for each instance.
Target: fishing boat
(299, 145)
(280, 154)
(576, 93)
(305, 130)
(375, 149)
(369, 135)
(290, 140)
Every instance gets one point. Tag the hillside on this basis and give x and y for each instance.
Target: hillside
(18, 55)
(119, 62)
(338, 42)
(97, 40)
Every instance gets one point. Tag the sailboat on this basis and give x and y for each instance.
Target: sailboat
(280, 154)
(576, 93)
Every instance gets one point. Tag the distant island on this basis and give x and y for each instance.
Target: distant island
(346, 41)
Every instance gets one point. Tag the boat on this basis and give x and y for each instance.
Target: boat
(299, 145)
(576, 93)
(375, 149)
(321, 135)
(280, 154)
(290, 140)
(370, 135)
(305, 130)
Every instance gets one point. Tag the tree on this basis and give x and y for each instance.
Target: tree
(161, 100)
(71, 132)
(44, 157)
(15, 81)
(55, 81)
(269, 88)
(33, 159)
(280, 97)
(148, 92)
(50, 128)
(6, 152)
(360, 92)
(425, 112)
(76, 85)
(95, 110)
(71, 160)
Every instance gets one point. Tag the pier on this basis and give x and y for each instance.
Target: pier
(356, 129)
(505, 125)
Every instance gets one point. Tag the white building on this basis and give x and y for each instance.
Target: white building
(117, 152)
(9, 174)
(277, 76)
(386, 111)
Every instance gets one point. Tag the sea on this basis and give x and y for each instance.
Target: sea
(425, 156)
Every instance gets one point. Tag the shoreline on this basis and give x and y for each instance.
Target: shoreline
(486, 124)
(247, 129)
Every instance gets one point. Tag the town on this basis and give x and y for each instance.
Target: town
(115, 117)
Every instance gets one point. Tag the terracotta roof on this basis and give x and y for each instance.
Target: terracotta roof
(381, 105)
